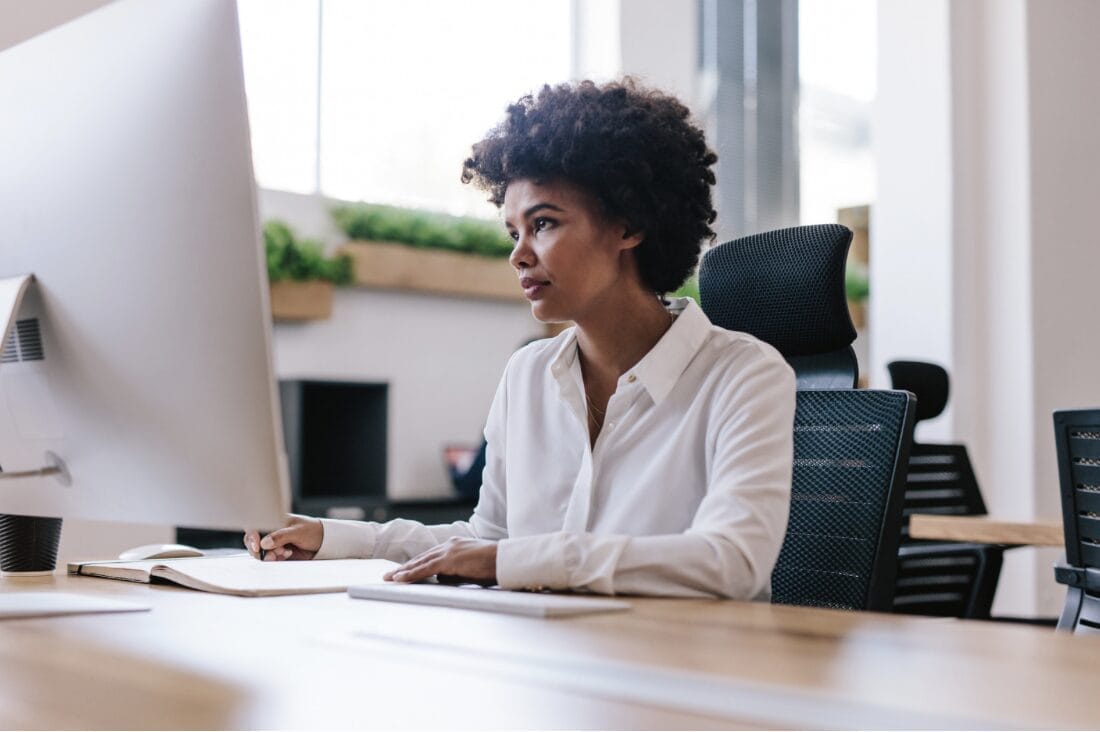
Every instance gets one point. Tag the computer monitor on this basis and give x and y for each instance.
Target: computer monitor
(140, 356)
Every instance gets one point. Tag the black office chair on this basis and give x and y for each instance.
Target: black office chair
(786, 287)
(1077, 438)
(850, 446)
(947, 579)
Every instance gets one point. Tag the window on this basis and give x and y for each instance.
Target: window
(838, 82)
(405, 88)
(279, 44)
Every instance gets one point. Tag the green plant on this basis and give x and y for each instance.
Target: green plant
(690, 288)
(289, 258)
(857, 285)
(423, 229)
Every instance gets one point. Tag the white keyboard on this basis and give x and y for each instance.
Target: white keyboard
(471, 597)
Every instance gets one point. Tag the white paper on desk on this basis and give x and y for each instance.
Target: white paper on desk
(42, 604)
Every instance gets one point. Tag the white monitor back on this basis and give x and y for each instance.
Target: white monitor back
(126, 188)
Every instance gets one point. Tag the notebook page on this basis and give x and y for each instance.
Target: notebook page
(244, 575)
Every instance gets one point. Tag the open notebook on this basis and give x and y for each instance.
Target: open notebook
(240, 574)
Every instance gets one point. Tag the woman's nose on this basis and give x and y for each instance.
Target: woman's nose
(522, 256)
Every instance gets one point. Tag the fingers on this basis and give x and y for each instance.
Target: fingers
(278, 538)
(256, 547)
(456, 560)
(279, 555)
(415, 567)
(286, 543)
(418, 572)
(252, 542)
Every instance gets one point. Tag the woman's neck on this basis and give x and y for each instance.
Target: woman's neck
(617, 335)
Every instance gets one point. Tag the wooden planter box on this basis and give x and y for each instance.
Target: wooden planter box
(298, 301)
(400, 267)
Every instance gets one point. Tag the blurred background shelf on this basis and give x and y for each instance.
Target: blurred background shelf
(301, 301)
(401, 267)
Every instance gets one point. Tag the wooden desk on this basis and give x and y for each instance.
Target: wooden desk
(986, 530)
(210, 661)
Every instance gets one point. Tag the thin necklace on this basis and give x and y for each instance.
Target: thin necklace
(593, 410)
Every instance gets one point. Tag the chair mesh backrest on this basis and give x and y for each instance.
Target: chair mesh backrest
(842, 539)
(785, 287)
(947, 580)
(940, 480)
(1077, 436)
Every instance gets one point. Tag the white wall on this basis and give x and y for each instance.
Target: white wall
(993, 344)
(656, 41)
(442, 357)
(986, 262)
(910, 303)
(1063, 117)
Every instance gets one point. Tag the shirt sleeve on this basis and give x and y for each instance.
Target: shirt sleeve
(401, 539)
(735, 536)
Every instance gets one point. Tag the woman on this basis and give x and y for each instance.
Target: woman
(643, 451)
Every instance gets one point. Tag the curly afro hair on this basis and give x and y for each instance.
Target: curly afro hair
(634, 149)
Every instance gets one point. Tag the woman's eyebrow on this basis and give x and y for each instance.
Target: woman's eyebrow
(540, 206)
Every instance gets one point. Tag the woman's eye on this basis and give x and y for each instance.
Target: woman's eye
(542, 223)
(513, 235)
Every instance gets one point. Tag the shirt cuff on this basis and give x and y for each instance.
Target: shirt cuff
(532, 563)
(346, 540)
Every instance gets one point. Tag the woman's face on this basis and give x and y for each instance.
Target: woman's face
(569, 257)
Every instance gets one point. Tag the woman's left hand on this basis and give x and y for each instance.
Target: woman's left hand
(455, 560)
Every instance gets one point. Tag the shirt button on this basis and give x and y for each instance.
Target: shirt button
(631, 379)
(610, 425)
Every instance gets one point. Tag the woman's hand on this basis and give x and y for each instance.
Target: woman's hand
(299, 540)
(455, 560)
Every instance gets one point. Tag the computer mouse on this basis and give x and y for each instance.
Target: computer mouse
(160, 551)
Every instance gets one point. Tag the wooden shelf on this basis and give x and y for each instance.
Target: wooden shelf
(300, 301)
(399, 267)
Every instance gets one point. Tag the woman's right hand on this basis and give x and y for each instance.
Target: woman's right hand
(300, 539)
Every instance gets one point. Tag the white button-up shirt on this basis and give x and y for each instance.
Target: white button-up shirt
(686, 491)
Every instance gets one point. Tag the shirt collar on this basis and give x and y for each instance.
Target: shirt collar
(659, 370)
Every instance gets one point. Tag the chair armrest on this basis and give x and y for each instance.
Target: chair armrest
(1085, 578)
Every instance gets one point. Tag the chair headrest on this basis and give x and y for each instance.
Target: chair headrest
(785, 287)
(928, 381)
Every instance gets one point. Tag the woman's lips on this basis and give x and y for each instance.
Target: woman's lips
(532, 288)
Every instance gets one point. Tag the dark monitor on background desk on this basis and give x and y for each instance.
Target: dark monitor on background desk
(336, 445)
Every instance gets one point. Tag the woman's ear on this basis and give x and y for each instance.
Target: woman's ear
(631, 238)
